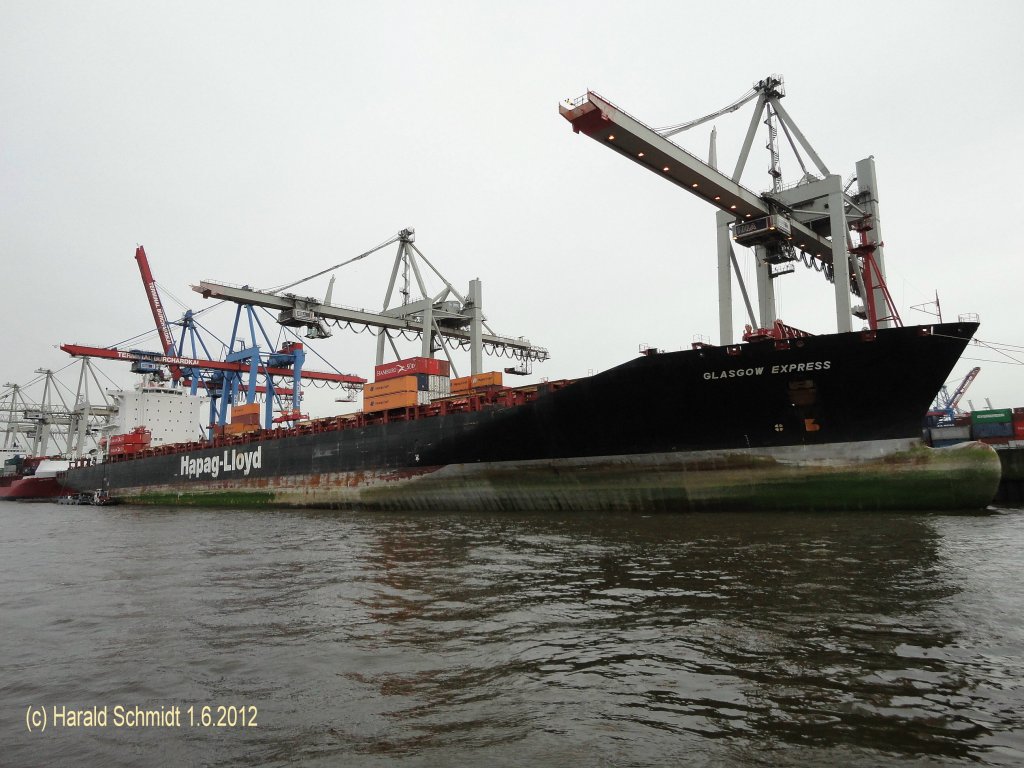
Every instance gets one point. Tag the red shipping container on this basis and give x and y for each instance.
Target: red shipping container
(994, 440)
(1018, 430)
(124, 450)
(139, 437)
(409, 366)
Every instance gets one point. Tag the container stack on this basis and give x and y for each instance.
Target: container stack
(13, 465)
(244, 418)
(942, 437)
(480, 382)
(407, 383)
(132, 442)
(1018, 425)
(992, 426)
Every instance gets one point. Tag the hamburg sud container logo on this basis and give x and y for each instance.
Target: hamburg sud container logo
(231, 461)
(399, 367)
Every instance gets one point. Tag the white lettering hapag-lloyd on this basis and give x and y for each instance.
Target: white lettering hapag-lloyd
(230, 461)
(732, 373)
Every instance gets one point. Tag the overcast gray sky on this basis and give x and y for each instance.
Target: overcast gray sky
(257, 143)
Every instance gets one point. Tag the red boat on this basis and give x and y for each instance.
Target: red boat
(32, 478)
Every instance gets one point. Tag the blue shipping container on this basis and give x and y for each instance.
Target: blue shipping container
(992, 430)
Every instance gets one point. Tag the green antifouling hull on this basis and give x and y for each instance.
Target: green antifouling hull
(845, 477)
(221, 499)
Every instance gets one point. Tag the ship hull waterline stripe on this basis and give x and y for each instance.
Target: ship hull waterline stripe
(867, 475)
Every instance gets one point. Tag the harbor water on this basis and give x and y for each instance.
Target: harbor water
(158, 636)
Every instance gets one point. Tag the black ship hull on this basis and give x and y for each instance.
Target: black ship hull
(821, 422)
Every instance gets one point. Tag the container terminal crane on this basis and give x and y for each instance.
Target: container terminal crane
(812, 218)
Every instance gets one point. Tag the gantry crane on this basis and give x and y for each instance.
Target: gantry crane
(222, 379)
(53, 425)
(812, 217)
(440, 320)
(242, 363)
(946, 407)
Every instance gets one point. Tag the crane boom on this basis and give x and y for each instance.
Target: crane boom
(159, 316)
(960, 391)
(156, 306)
(598, 118)
(79, 350)
(808, 221)
(293, 306)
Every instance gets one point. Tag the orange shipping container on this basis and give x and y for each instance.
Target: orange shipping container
(240, 429)
(395, 400)
(245, 410)
(464, 384)
(391, 386)
(252, 419)
(492, 379)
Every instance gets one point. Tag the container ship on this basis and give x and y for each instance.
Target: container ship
(31, 453)
(783, 420)
(794, 423)
(31, 478)
(169, 412)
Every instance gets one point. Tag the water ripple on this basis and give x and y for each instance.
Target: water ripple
(519, 640)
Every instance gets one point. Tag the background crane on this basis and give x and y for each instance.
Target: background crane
(223, 380)
(946, 407)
